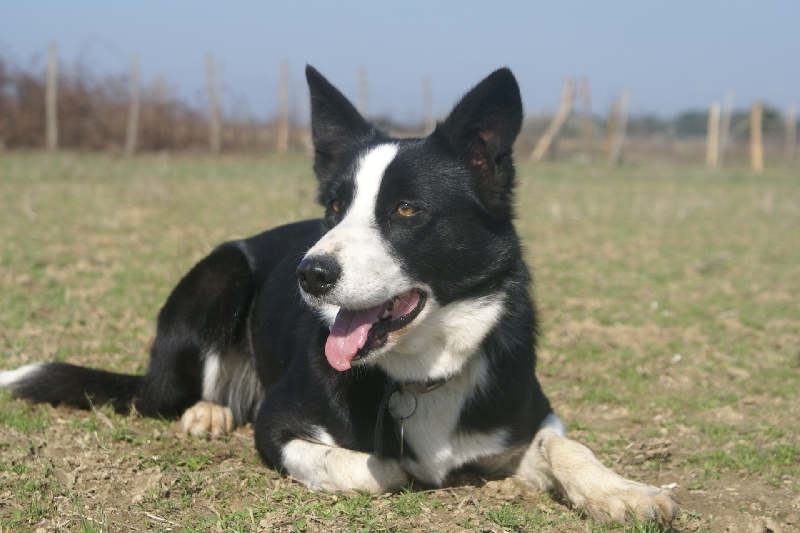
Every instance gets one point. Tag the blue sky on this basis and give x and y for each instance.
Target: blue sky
(671, 55)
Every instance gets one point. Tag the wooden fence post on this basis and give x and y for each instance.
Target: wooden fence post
(611, 127)
(283, 111)
(543, 145)
(363, 99)
(756, 142)
(51, 99)
(712, 141)
(214, 119)
(725, 124)
(791, 134)
(587, 125)
(427, 105)
(618, 138)
(132, 131)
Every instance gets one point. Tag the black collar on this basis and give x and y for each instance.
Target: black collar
(402, 388)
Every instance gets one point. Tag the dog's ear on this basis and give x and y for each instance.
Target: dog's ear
(335, 124)
(482, 128)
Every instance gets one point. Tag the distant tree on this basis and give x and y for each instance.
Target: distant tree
(648, 125)
(692, 123)
(771, 121)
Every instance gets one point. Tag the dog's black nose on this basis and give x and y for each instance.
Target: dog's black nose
(318, 275)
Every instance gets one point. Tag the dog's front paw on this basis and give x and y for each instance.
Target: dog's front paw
(622, 499)
(348, 470)
(205, 418)
(329, 467)
(600, 492)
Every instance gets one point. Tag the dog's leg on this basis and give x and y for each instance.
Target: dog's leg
(199, 354)
(231, 390)
(323, 465)
(555, 462)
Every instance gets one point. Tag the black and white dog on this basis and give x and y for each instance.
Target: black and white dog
(408, 350)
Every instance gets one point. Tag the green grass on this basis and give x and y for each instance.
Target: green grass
(21, 417)
(668, 299)
(763, 450)
(514, 517)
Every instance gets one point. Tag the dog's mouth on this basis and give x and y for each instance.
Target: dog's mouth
(355, 333)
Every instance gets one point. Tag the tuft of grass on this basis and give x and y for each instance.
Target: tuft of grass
(410, 503)
(22, 416)
(770, 462)
(632, 526)
(514, 517)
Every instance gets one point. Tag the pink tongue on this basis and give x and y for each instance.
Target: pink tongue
(348, 335)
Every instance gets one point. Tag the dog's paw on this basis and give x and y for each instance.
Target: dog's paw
(205, 418)
(381, 476)
(329, 467)
(624, 499)
(600, 492)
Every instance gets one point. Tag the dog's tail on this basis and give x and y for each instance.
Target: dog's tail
(73, 385)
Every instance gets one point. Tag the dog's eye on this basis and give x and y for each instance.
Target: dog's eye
(336, 205)
(405, 209)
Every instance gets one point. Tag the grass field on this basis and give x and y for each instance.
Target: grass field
(671, 344)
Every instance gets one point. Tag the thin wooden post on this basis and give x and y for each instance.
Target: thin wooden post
(567, 96)
(51, 99)
(214, 119)
(618, 140)
(756, 142)
(363, 99)
(587, 125)
(283, 111)
(132, 131)
(791, 133)
(725, 124)
(712, 142)
(427, 105)
(611, 127)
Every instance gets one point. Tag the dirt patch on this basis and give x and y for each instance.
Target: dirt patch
(95, 468)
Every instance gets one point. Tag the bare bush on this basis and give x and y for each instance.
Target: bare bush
(93, 113)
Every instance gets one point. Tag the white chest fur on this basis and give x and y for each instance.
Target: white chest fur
(432, 430)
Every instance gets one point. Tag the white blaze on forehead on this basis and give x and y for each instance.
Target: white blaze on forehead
(370, 273)
(369, 175)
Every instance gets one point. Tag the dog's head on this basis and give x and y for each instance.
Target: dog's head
(414, 225)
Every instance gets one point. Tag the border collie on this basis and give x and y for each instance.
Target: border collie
(393, 339)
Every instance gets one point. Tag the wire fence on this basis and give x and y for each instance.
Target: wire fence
(77, 109)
